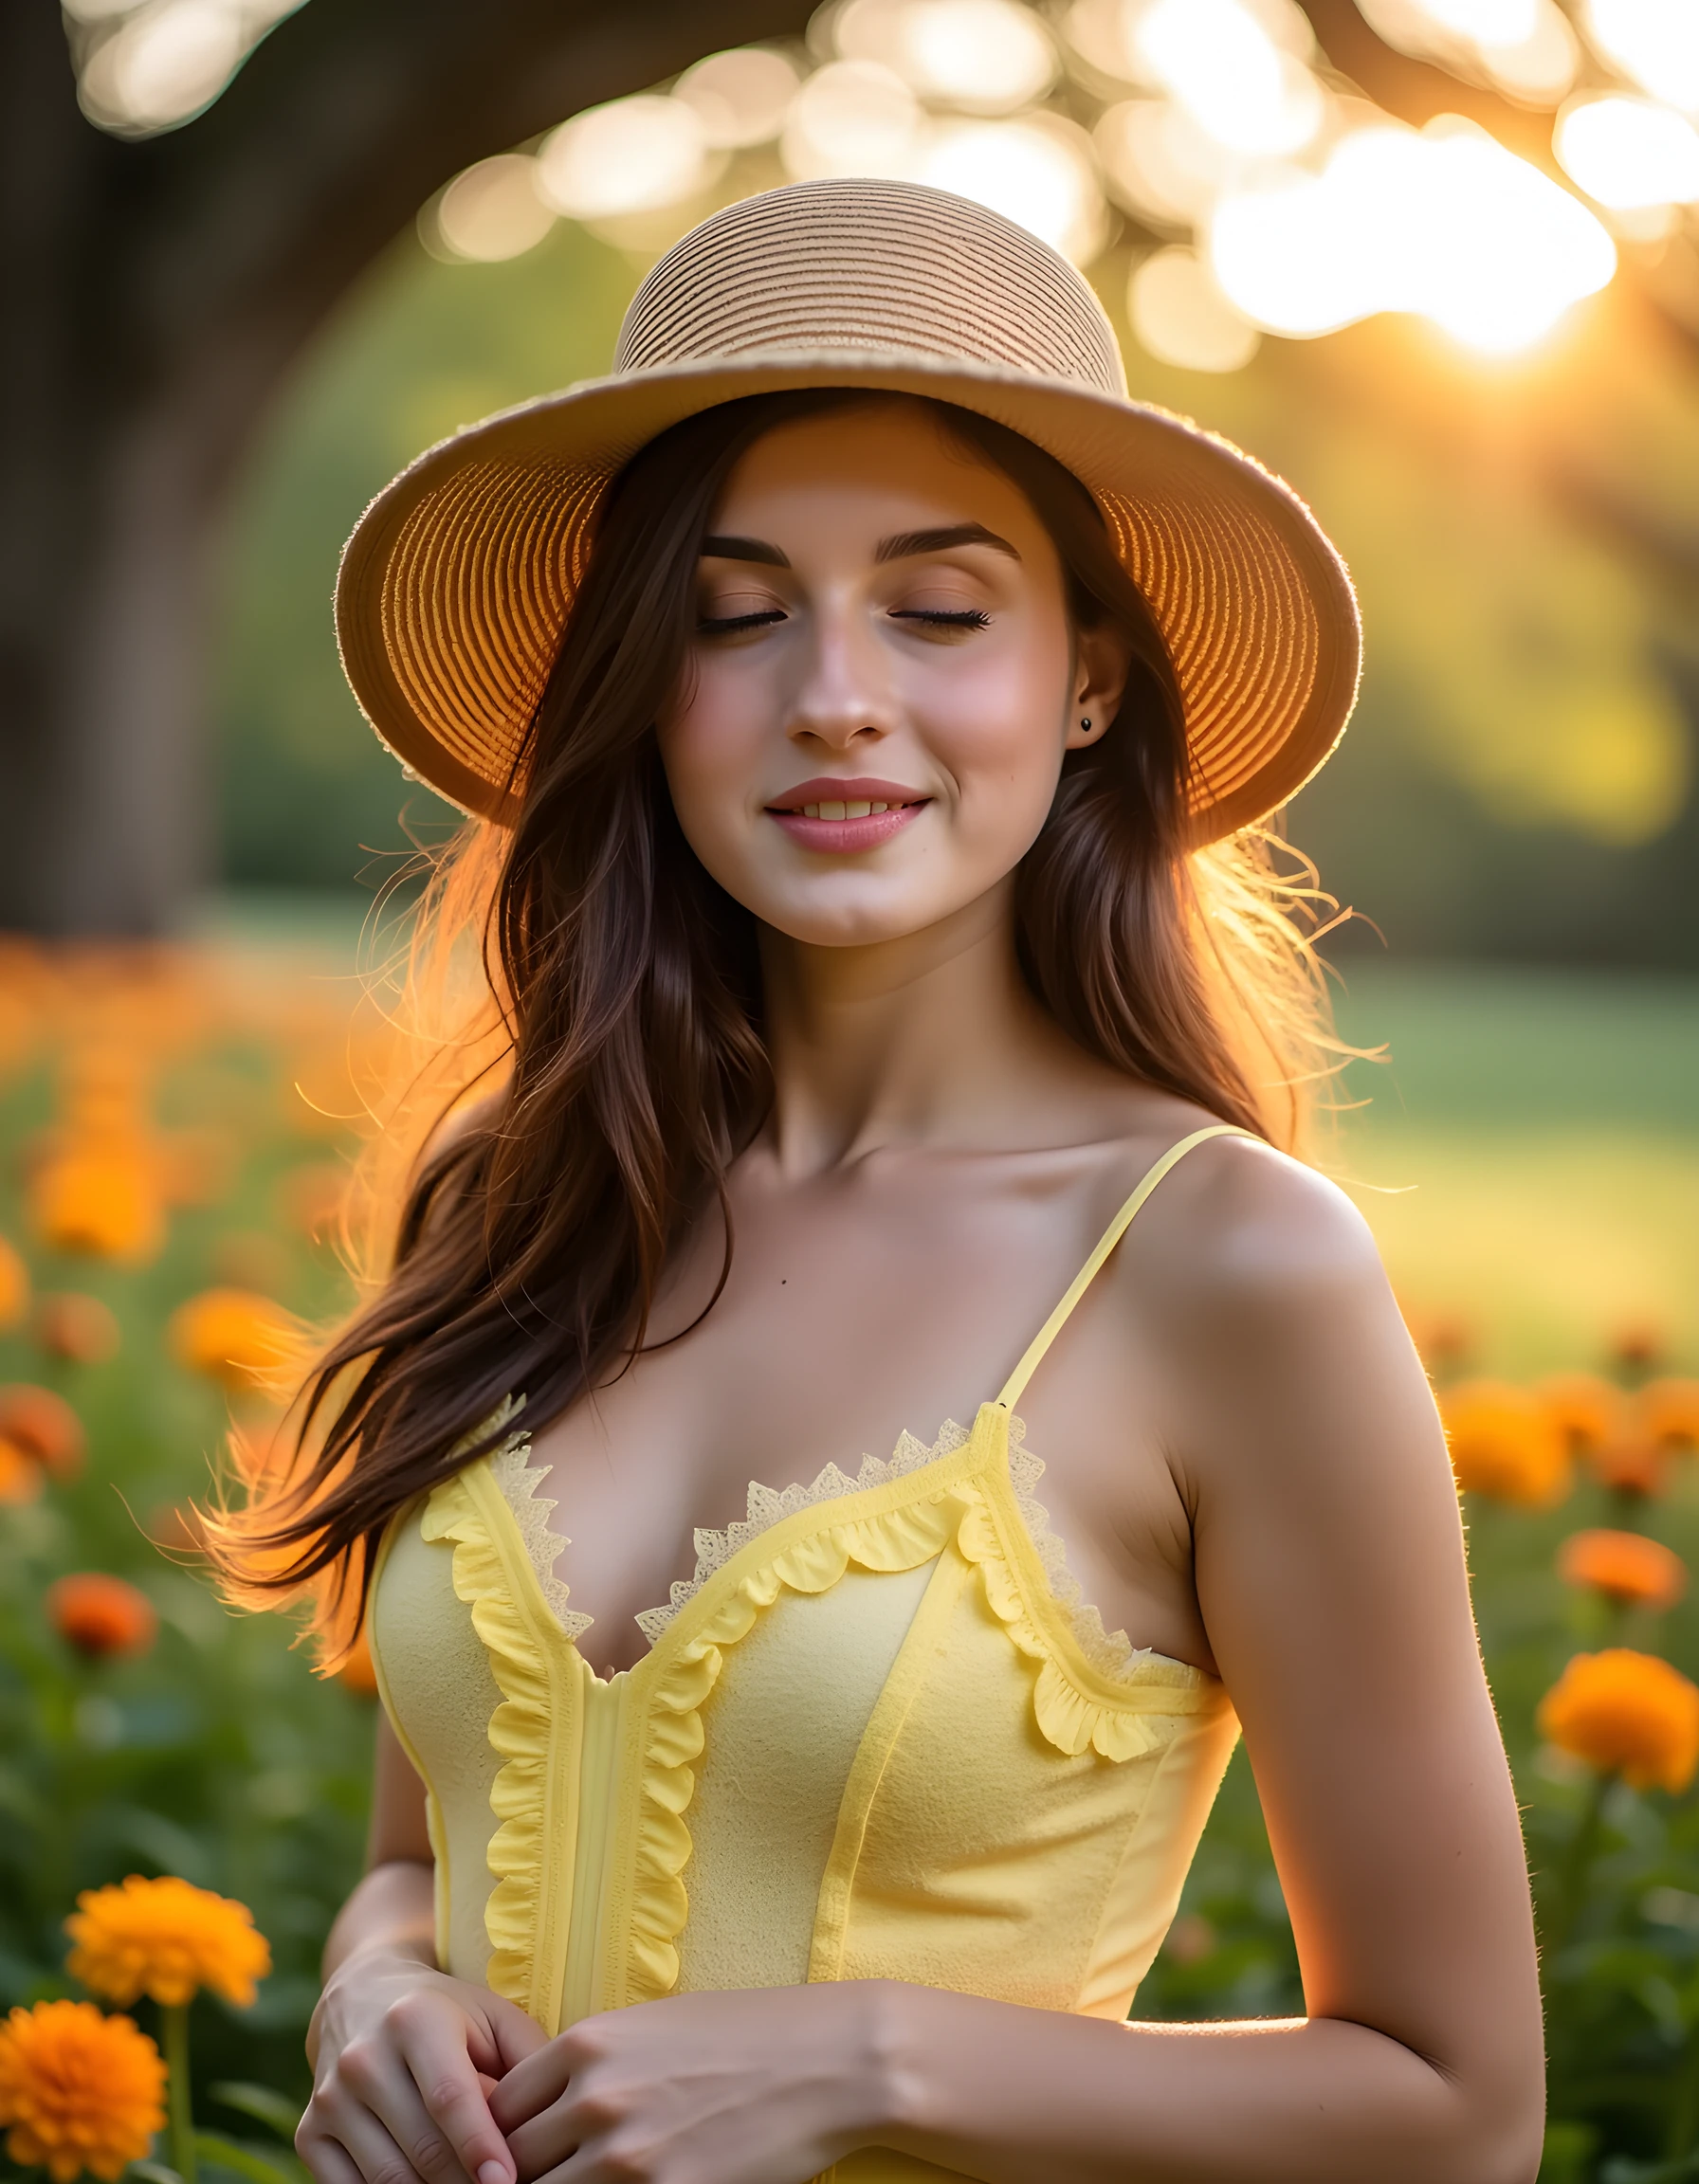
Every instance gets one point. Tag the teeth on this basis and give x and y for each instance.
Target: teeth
(857, 811)
(874, 809)
(811, 810)
(833, 811)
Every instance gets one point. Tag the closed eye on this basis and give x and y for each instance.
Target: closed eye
(728, 625)
(966, 618)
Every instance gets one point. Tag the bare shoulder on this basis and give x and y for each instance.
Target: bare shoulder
(1268, 1336)
(1237, 1226)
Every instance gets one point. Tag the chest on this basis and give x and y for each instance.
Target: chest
(850, 1315)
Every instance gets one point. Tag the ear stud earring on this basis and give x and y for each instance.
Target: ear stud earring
(1086, 722)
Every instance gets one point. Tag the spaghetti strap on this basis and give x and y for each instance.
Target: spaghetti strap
(1017, 1381)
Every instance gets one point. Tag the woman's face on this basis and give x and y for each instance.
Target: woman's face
(882, 681)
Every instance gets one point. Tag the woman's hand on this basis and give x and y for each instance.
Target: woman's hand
(404, 2062)
(766, 2086)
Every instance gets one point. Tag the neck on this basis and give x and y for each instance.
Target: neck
(907, 1041)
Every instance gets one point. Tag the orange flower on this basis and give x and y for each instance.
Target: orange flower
(20, 1476)
(1624, 1566)
(1631, 1465)
(357, 1674)
(78, 2091)
(1626, 1712)
(232, 1336)
(1669, 1412)
(167, 1940)
(77, 1327)
(14, 1284)
(1504, 1443)
(44, 1426)
(102, 1615)
(1586, 1410)
(99, 1196)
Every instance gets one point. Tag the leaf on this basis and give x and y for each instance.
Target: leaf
(221, 2152)
(262, 2102)
(154, 2172)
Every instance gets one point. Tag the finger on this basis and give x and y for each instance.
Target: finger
(368, 2144)
(516, 2032)
(374, 2074)
(448, 2091)
(532, 2085)
(327, 2162)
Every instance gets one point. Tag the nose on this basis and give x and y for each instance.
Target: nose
(846, 695)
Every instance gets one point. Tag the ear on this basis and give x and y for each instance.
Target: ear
(1102, 662)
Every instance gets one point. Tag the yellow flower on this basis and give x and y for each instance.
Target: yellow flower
(232, 1336)
(1506, 1443)
(1629, 1713)
(77, 2090)
(166, 1939)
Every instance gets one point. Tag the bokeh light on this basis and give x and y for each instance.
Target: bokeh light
(1444, 222)
(1160, 164)
(851, 118)
(741, 97)
(979, 56)
(1182, 315)
(1038, 171)
(1656, 41)
(1243, 85)
(1629, 153)
(631, 156)
(161, 63)
(1524, 48)
(490, 212)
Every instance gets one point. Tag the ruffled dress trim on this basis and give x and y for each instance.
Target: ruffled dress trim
(534, 1797)
(895, 1517)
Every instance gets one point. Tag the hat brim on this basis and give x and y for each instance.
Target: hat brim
(455, 587)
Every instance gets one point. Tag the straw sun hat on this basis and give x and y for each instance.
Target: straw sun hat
(457, 583)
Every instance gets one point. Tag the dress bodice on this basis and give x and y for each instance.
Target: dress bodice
(877, 1736)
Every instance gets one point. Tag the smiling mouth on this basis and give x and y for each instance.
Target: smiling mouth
(840, 816)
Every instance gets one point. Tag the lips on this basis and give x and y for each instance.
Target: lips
(840, 816)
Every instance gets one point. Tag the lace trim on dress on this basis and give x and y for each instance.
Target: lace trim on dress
(768, 1504)
(1112, 1653)
(520, 1482)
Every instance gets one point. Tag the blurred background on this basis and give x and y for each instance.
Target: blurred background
(1437, 261)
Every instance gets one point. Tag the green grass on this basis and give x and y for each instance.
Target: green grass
(1528, 1156)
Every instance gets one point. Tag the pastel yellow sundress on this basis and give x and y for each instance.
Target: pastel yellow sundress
(876, 1735)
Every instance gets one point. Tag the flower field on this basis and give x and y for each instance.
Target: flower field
(182, 1799)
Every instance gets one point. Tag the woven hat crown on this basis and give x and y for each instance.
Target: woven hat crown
(459, 578)
(868, 266)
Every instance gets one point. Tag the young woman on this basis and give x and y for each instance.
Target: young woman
(852, 688)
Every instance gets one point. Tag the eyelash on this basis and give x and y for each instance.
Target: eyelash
(969, 618)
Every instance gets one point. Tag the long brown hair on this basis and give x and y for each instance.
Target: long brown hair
(604, 1063)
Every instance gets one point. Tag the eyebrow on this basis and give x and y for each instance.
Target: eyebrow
(725, 548)
(901, 547)
(909, 542)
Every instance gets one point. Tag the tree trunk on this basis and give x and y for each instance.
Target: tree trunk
(156, 295)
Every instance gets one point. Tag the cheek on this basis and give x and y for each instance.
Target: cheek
(709, 738)
(997, 724)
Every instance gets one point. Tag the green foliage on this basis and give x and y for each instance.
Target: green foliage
(219, 1757)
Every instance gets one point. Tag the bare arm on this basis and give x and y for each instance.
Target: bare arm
(404, 2056)
(1330, 1571)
